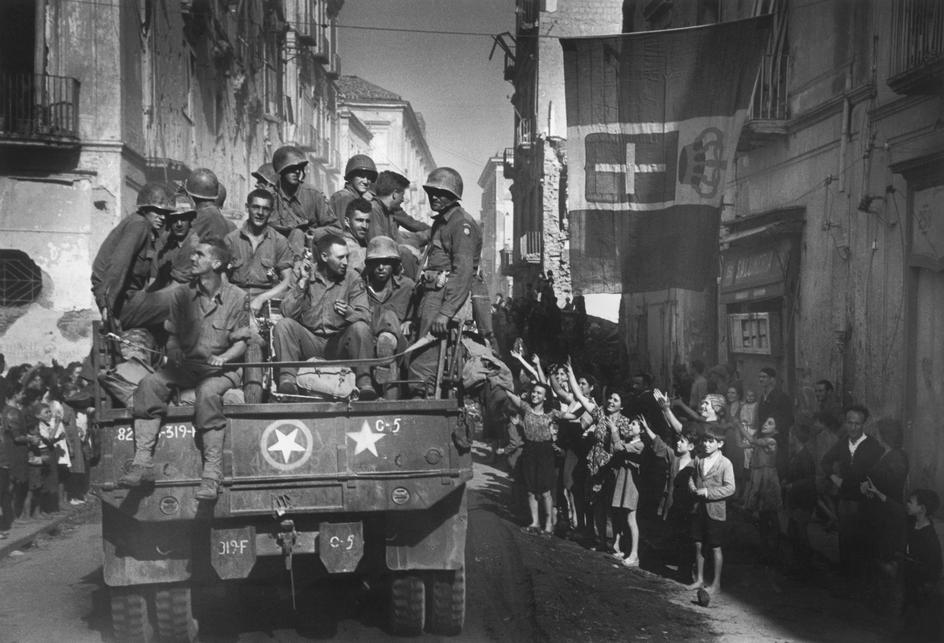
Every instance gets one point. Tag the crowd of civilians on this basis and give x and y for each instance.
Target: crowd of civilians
(46, 446)
(600, 462)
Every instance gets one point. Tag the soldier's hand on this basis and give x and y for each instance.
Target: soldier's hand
(216, 360)
(342, 308)
(255, 306)
(406, 328)
(440, 325)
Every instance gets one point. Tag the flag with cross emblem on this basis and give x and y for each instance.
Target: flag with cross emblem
(653, 120)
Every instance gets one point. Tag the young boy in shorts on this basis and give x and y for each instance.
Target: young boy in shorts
(711, 484)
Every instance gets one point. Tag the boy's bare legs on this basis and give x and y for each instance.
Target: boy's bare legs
(548, 502)
(716, 581)
(699, 567)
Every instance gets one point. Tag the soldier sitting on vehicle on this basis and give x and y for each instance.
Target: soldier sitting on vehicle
(359, 175)
(261, 260)
(266, 177)
(389, 294)
(204, 188)
(173, 265)
(356, 223)
(122, 266)
(300, 209)
(208, 322)
(387, 217)
(325, 314)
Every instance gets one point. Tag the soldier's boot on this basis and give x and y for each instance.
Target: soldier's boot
(142, 467)
(212, 465)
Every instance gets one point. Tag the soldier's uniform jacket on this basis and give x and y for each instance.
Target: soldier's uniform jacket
(343, 197)
(262, 267)
(210, 222)
(313, 307)
(394, 298)
(123, 263)
(455, 249)
(204, 324)
(356, 251)
(387, 222)
(307, 208)
(172, 263)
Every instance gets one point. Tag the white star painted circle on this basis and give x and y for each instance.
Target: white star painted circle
(286, 444)
(365, 439)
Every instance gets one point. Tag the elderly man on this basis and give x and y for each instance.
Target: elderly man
(325, 315)
(207, 326)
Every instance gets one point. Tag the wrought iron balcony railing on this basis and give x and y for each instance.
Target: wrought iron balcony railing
(39, 108)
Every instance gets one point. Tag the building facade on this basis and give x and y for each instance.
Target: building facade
(538, 161)
(398, 136)
(98, 98)
(497, 219)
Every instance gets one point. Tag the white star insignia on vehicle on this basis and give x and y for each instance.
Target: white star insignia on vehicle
(286, 444)
(365, 439)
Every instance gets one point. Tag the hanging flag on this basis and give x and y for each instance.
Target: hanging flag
(653, 120)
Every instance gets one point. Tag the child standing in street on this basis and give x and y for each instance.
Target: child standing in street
(681, 503)
(712, 484)
(922, 569)
(763, 496)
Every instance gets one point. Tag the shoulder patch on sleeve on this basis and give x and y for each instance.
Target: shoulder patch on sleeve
(466, 230)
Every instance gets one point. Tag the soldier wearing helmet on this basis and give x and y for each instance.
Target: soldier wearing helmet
(359, 175)
(122, 266)
(266, 177)
(260, 258)
(450, 266)
(204, 188)
(172, 264)
(356, 224)
(389, 294)
(300, 209)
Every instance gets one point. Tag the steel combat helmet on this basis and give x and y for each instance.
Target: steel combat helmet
(445, 179)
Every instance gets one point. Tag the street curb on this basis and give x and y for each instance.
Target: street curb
(9, 546)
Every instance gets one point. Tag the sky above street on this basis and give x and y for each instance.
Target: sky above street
(448, 78)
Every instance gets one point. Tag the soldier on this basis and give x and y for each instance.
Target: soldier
(176, 245)
(356, 224)
(325, 315)
(389, 294)
(266, 177)
(388, 216)
(123, 264)
(260, 259)
(299, 209)
(359, 173)
(204, 188)
(208, 325)
(452, 260)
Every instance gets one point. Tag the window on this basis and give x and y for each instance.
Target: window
(21, 280)
(755, 333)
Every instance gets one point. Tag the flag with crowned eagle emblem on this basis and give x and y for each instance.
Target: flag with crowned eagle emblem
(653, 120)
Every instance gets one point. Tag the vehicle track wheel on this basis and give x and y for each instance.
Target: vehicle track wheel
(129, 615)
(252, 386)
(174, 614)
(446, 592)
(407, 605)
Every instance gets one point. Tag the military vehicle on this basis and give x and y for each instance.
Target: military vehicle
(369, 488)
